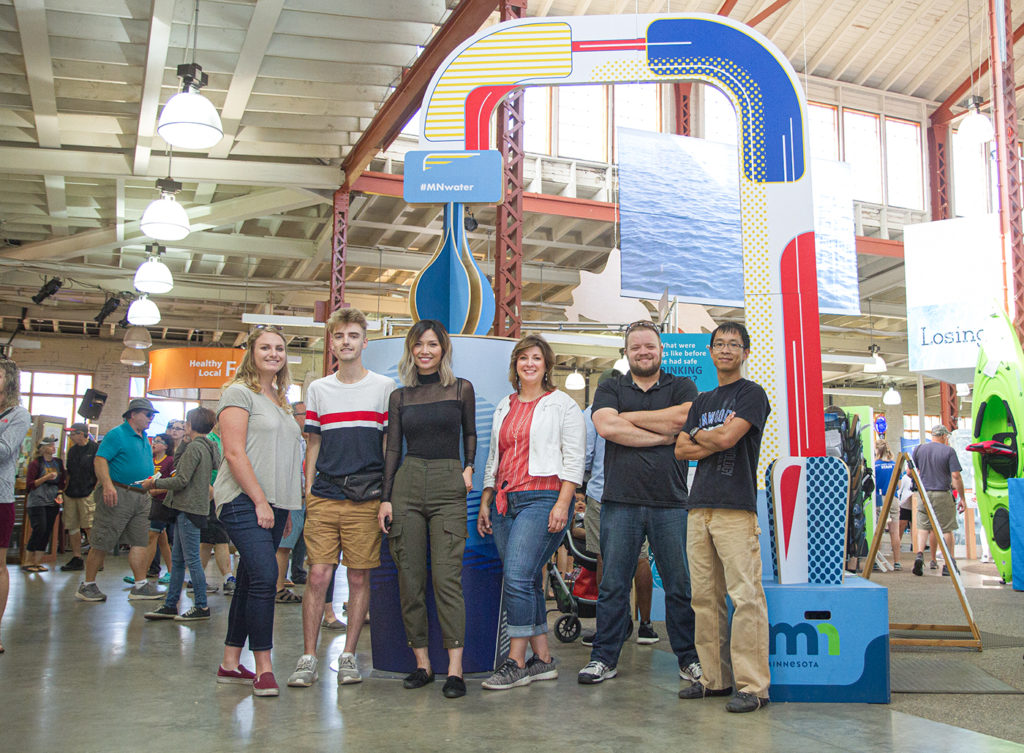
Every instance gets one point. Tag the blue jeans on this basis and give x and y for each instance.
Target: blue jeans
(185, 553)
(252, 607)
(525, 546)
(623, 528)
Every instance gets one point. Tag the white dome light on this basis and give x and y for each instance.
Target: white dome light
(190, 121)
(138, 338)
(133, 357)
(975, 128)
(575, 381)
(153, 276)
(621, 366)
(143, 313)
(963, 389)
(165, 219)
(891, 397)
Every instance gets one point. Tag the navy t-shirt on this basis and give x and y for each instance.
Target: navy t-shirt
(644, 475)
(727, 479)
(883, 477)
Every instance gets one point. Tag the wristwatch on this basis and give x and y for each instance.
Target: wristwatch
(693, 432)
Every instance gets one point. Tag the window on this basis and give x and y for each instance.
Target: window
(719, 117)
(537, 119)
(970, 187)
(862, 149)
(583, 122)
(48, 393)
(904, 169)
(823, 131)
(167, 409)
(636, 106)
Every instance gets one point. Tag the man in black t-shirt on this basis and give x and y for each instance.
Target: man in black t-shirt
(639, 415)
(79, 505)
(723, 433)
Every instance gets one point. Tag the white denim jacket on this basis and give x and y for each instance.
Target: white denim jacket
(558, 439)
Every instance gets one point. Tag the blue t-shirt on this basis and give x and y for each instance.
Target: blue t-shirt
(128, 454)
(883, 477)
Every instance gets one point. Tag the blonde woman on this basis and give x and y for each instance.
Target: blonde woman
(255, 491)
(423, 500)
(535, 463)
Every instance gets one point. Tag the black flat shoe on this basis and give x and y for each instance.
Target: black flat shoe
(454, 687)
(417, 679)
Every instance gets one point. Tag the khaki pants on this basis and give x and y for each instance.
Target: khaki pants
(725, 556)
(429, 507)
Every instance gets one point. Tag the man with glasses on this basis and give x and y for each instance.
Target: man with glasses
(639, 415)
(723, 434)
(79, 506)
(124, 458)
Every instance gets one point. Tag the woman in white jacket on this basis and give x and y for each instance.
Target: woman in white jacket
(538, 442)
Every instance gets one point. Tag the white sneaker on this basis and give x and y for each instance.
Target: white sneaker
(305, 673)
(691, 672)
(595, 672)
(348, 670)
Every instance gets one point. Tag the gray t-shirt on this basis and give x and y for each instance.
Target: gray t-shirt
(935, 465)
(13, 428)
(272, 444)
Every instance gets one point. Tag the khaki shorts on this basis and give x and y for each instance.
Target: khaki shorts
(945, 512)
(128, 520)
(78, 512)
(341, 526)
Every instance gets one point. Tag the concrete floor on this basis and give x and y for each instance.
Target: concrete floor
(98, 677)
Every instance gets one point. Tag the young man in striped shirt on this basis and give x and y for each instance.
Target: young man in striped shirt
(346, 422)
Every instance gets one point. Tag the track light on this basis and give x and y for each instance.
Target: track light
(50, 287)
(109, 307)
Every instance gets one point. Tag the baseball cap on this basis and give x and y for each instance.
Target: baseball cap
(138, 403)
(84, 428)
(940, 431)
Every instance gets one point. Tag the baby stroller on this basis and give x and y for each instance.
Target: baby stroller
(571, 601)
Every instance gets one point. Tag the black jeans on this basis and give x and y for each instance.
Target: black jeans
(42, 520)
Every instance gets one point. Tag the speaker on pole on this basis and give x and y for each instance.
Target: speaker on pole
(92, 404)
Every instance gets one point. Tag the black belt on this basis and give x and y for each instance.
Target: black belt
(138, 489)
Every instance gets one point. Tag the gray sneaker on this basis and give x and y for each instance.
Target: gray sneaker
(229, 585)
(147, 591)
(509, 675)
(305, 673)
(348, 670)
(542, 670)
(90, 592)
(691, 672)
(595, 672)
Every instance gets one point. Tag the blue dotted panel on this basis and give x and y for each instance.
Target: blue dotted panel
(771, 518)
(828, 481)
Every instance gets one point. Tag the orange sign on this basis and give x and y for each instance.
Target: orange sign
(172, 369)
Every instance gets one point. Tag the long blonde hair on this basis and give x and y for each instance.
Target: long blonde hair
(248, 374)
(407, 370)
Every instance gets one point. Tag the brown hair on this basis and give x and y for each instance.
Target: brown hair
(201, 420)
(10, 396)
(882, 451)
(524, 344)
(407, 370)
(346, 316)
(249, 376)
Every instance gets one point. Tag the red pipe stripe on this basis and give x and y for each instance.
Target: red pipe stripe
(609, 44)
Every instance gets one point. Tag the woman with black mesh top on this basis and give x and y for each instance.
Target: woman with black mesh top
(424, 495)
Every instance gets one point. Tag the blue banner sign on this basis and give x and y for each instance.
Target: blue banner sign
(688, 355)
(468, 177)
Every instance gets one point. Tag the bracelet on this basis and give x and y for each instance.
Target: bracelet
(693, 432)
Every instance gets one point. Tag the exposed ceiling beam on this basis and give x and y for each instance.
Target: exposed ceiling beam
(767, 12)
(862, 41)
(465, 20)
(895, 277)
(905, 28)
(156, 59)
(908, 60)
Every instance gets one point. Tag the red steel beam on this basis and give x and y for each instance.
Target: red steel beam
(727, 7)
(767, 12)
(465, 20)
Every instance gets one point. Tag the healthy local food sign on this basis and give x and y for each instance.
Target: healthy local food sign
(192, 368)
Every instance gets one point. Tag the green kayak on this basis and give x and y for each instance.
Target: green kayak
(998, 404)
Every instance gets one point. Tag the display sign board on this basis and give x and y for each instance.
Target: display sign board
(183, 372)
(466, 177)
(956, 279)
(688, 356)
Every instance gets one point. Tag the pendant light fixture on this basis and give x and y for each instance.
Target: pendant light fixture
(133, 357)
(891, 396)
(975, 128)
(575, 381)
(165, 219)
(153, 276)
(143, 312)
(877, 366)
(189, 120)
(137, 338)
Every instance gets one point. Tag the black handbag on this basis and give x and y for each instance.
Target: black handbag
(359, 487)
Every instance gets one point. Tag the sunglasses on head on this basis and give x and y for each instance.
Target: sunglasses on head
(643, 324)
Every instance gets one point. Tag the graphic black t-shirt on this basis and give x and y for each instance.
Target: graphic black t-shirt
(727, 479)
(644, 475)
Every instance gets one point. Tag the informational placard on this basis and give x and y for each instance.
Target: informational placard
(956, 278)
(688, 355)
(467, 177)
(187, 372)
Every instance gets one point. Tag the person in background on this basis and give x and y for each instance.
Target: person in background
(15, 422)
(298, 558)
(44, 480)
(79, 505)
(900, 517)
(255, 490)
(213, 539)
(346, 417)
(423, 502)
(163, 463)
(176, 429)
(939, 470)
(123, 459)
(188, 496)
(535, 463)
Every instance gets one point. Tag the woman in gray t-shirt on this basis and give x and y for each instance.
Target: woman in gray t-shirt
(14, 425)
(254, 492)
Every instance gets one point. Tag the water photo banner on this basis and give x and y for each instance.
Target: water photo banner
(679, 206)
